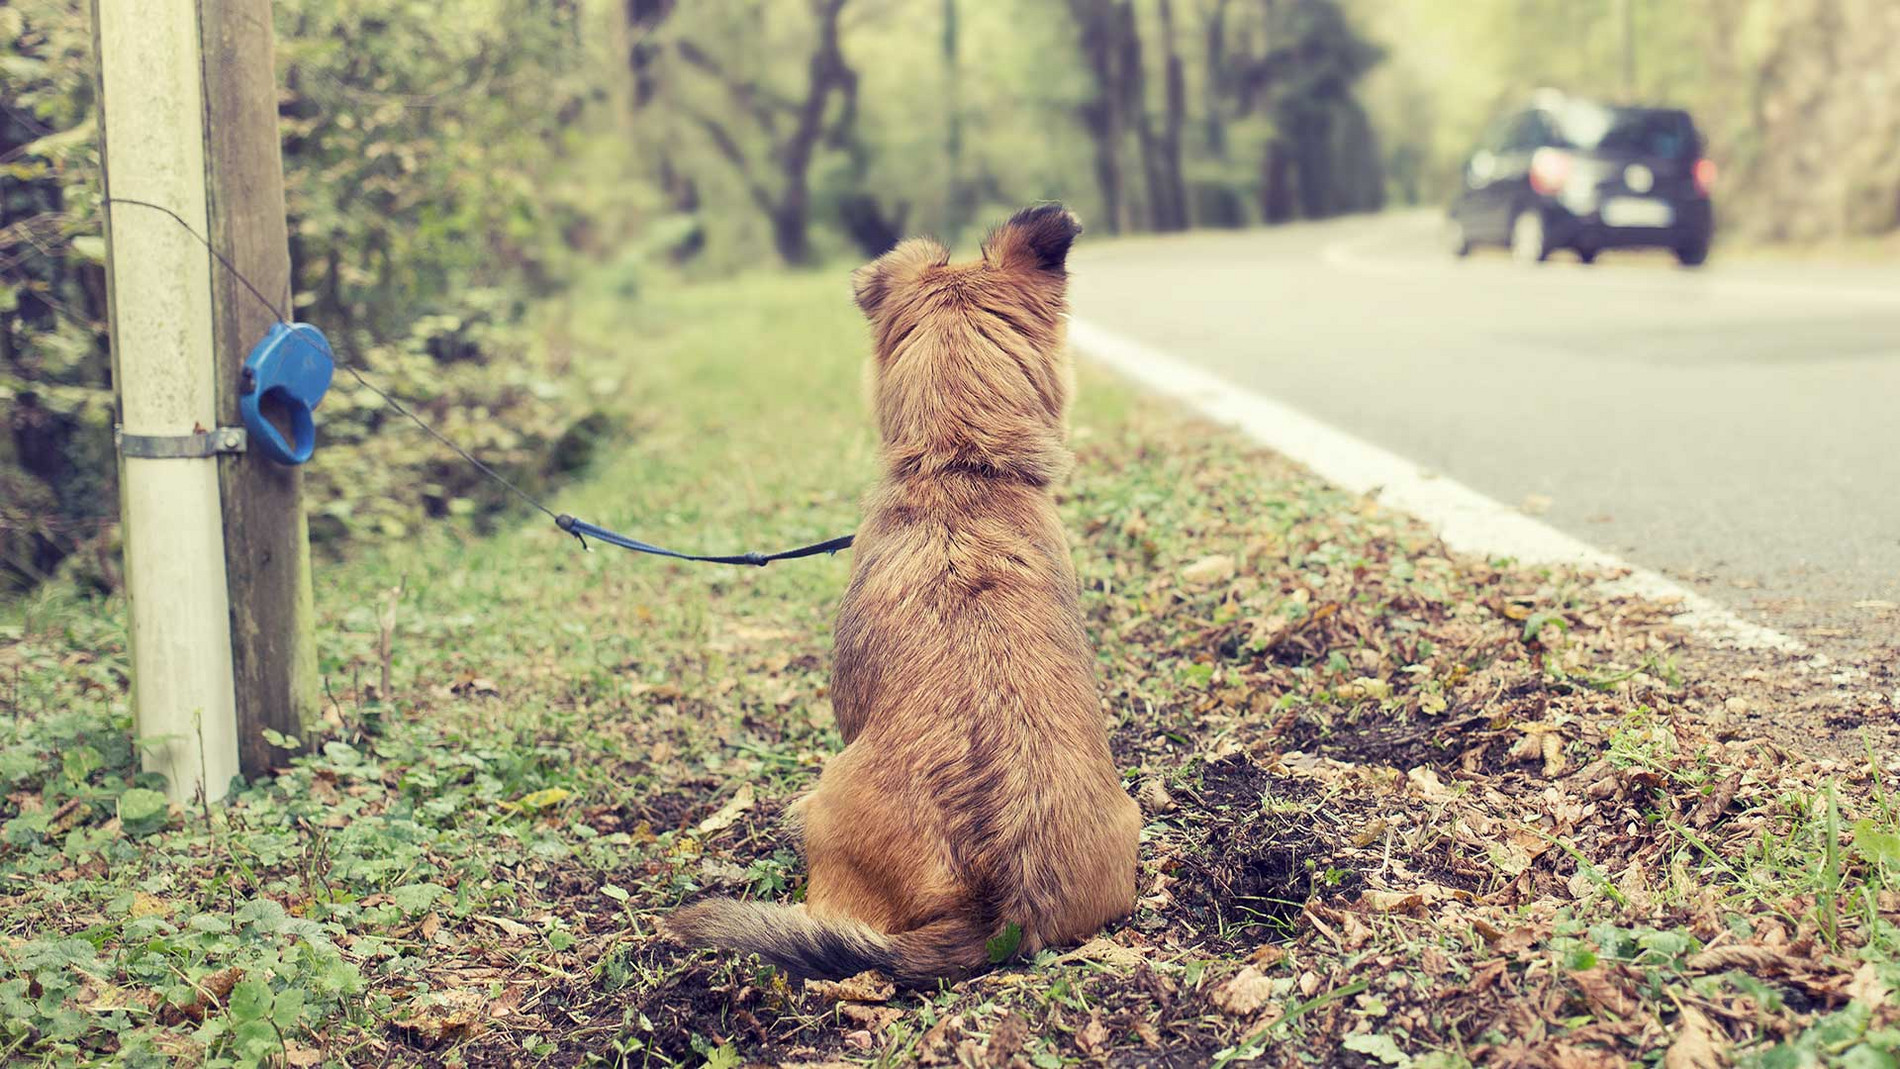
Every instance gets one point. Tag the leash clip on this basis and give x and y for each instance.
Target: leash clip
(566, 523)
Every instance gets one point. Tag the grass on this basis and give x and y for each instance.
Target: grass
(1403, 808)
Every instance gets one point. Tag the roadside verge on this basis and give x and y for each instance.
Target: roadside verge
(1468, 521)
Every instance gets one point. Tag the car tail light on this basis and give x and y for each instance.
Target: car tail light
(1704, 176)
(1550, 169)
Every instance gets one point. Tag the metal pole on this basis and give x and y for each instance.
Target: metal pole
(159, 279)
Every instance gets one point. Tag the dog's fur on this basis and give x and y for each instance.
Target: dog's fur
(976, 790)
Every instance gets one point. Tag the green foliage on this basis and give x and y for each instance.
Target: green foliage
(440, 174)
(219, 942)
(142, 811)
(55, 459)
(422, 147)
(1002, 946)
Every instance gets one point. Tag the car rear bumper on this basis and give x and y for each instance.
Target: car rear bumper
(1693, 226)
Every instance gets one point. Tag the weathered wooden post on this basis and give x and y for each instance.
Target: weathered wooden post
(217, 564)
(266, 537)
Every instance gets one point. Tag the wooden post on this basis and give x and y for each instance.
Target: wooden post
(266, 536)
(217, 557)
(159, 285)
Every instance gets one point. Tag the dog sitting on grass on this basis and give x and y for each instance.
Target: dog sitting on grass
(976, 810)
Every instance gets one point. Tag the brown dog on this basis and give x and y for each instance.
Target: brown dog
(976, 790)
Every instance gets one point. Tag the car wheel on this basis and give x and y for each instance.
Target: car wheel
(1529, 242)
(1588, 256)
(1693, 255)
(1456, 240)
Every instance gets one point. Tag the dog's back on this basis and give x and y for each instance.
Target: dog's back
(976, 790)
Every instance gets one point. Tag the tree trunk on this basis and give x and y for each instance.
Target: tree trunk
(1103, 116)
(1175, 118)
(791, 233)
(1277, 204)
(827, 73)
(788, 208)
(1214, 85)
(1134, 102)
(1313, 164)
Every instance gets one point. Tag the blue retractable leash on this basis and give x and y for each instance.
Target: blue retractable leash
(290, 369)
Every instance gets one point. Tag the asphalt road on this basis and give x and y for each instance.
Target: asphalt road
(1735, 427)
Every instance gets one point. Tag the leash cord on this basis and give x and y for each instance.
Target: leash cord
(580, 529)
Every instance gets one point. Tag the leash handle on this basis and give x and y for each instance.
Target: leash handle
(582, 531)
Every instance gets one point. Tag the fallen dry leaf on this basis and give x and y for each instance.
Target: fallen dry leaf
(1564, 1056)
(443, 1015)
(1007, 1037)
(1267, 955)
(1425, 782)
(1209, 571)
(212, 990)
(1107, 952)
(1244, 993)
(871, 1018)
(1867, 988)
(1364, 687)
(729, 814)
(867, 986)
(1154, 797)
(1604, 991)
(1370, 834)
(1391, 901)
(511, 927)
(1092, 1037)
(939, 1042)
(1695, 1045)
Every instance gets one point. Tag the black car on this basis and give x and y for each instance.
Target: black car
(1569, 173)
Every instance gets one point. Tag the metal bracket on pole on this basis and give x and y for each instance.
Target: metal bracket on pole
(181, 446)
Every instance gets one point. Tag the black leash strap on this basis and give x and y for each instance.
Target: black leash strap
(583, 531)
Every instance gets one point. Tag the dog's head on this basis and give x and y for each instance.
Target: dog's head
(970, 368)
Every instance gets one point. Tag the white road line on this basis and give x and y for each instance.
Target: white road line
(1468, 521)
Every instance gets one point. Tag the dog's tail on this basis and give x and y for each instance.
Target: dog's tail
(832, 948)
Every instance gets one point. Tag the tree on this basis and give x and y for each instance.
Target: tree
(1106, 30)
(773, 159)
(1170, 191)
(1320, 159)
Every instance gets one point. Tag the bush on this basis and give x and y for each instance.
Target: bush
(433, 199)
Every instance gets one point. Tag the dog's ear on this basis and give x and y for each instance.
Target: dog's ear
(872, 284)
(1036, 239)
(869, 287)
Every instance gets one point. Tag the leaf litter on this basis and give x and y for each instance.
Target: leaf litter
(1403, 808)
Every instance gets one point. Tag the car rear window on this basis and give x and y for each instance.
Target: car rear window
(1640, 131)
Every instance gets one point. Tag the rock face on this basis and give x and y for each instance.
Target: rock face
(1817, 122)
